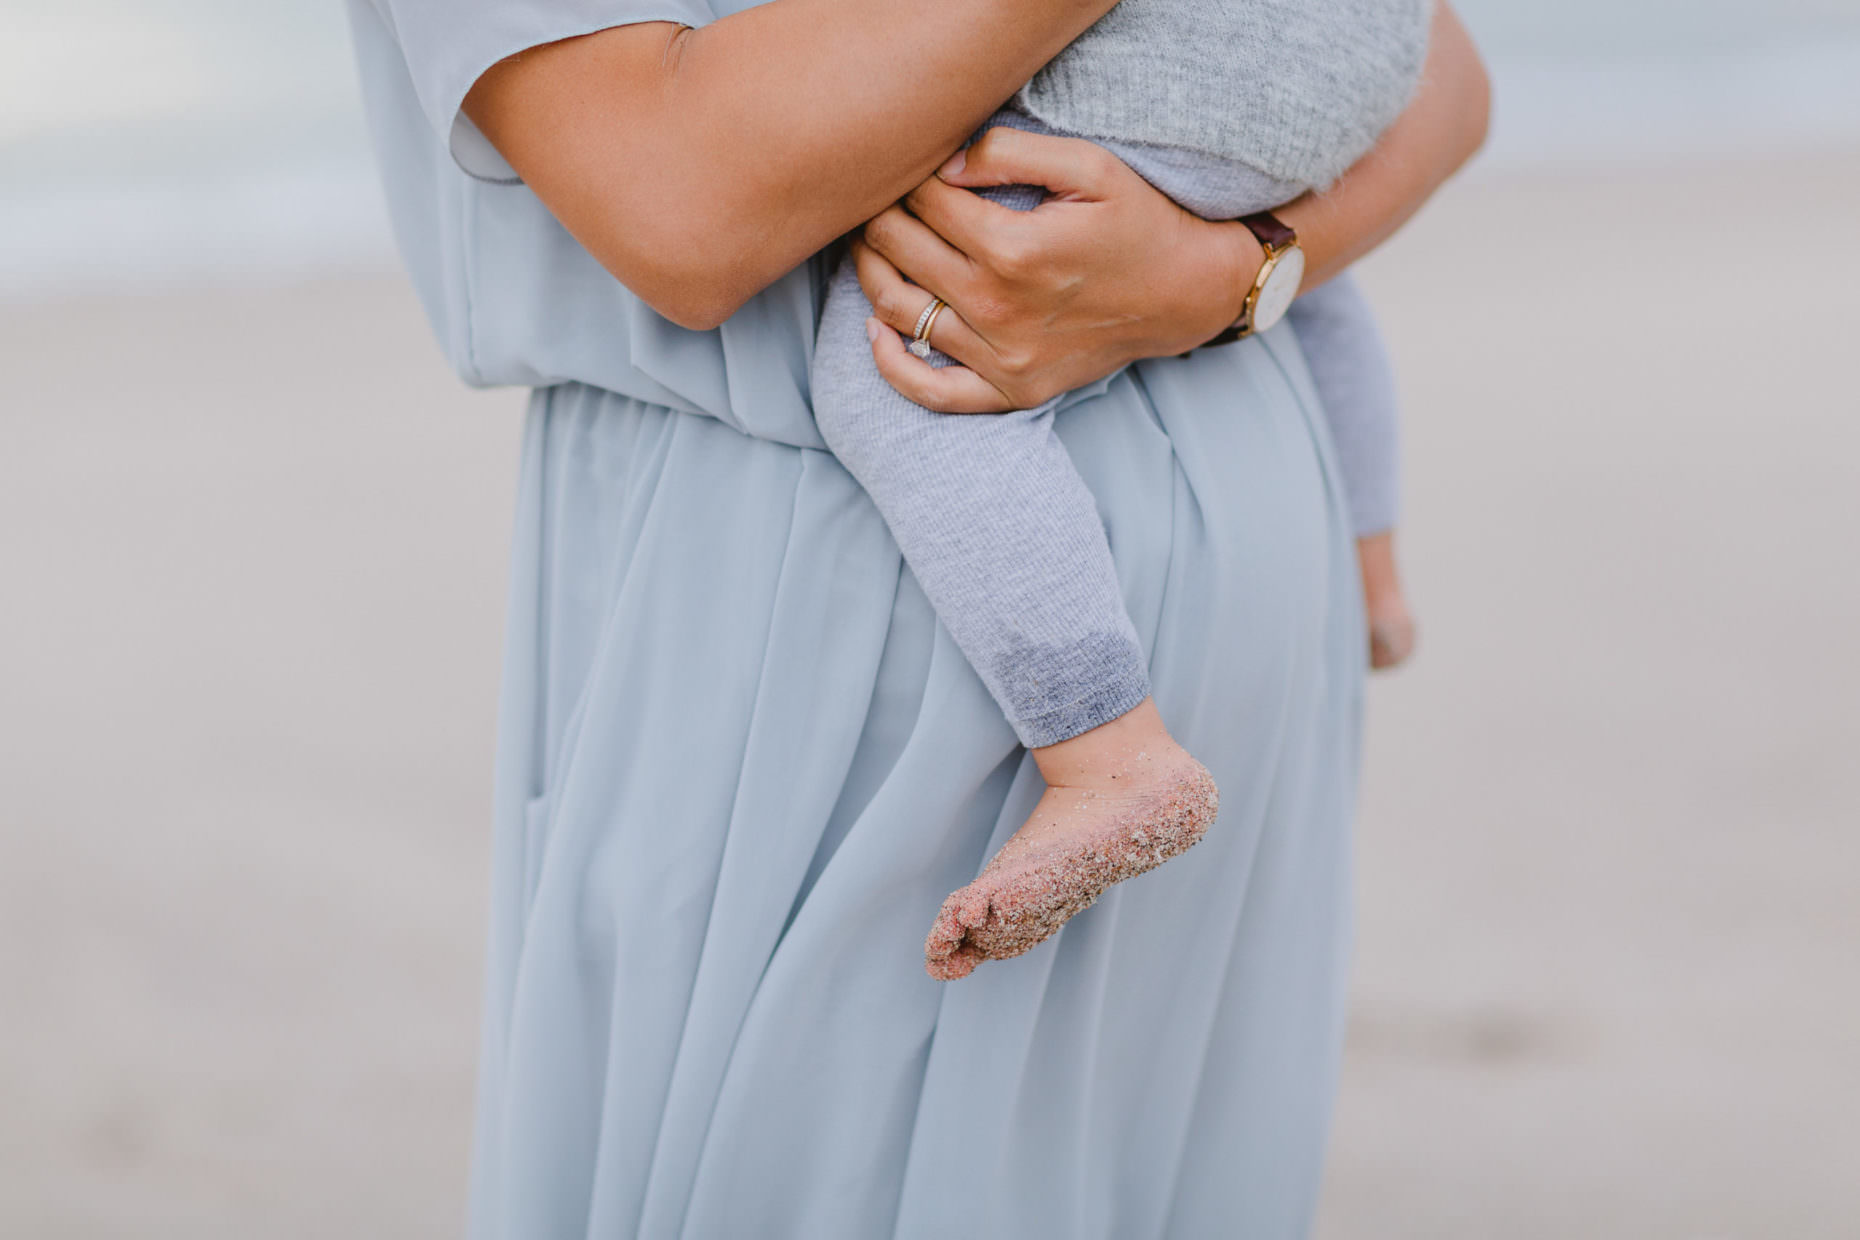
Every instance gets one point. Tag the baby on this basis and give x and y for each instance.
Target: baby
(1231, 107)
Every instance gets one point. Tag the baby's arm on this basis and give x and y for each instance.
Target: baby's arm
(1356, 384)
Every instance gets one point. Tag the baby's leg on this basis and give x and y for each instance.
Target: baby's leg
(1391, 624)
(999, 528)
(1006, 540)
(1356, 384)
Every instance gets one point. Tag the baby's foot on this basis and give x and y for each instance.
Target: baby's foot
(1391, 635)
(1391, 624)
(1109, 814)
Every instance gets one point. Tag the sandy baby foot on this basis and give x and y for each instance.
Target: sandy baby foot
(1104, 824)
(1078, 843)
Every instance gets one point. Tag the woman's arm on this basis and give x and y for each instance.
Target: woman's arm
(1109, 271)
(1430, 141)
(700, 165)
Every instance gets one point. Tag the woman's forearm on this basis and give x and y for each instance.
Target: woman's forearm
(1440, 130)
(700, 165)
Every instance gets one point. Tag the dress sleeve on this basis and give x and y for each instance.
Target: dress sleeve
(448, 44)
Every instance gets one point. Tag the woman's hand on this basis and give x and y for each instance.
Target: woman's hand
(1109, 271)
(1106, 271)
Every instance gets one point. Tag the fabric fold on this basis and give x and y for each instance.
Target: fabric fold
(740, 765)
(766, 766)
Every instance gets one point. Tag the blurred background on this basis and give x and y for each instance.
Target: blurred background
(252, 538)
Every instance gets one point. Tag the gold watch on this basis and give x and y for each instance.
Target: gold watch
(1275, 287)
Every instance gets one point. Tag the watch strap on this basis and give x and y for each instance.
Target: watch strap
(1227, 335)
(1273, 234)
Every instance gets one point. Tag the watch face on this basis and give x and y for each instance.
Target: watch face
(1280, 291)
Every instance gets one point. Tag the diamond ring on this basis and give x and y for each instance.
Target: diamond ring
(920, 336)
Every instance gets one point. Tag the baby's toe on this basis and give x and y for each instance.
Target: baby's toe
(956, 966)
(974, 904)
(945, 932)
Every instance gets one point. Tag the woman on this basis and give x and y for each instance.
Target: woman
(739, 764)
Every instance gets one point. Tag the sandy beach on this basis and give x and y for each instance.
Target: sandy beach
(253, 544)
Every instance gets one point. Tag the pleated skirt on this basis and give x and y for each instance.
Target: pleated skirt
(741, 764)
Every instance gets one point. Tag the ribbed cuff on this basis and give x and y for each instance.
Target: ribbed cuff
(1095, 709)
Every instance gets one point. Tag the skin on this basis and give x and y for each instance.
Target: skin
(752, 171)
(1120, 799)
(697, 169)
(1391, 623)
(697, 165)
(1045, 301)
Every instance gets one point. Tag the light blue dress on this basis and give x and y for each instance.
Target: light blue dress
(740, 765)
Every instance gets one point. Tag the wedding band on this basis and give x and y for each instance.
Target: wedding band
(920, 337)
(923, 320)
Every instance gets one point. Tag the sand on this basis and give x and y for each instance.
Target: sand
(253, 545)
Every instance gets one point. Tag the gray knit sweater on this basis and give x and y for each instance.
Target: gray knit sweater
(1297, 89)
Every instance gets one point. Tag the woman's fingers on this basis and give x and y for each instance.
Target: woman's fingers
(899, 304)
(966, 220)
(951, 335)
(914, 249)
(947, 389)
(1003, 156)
(895, 300)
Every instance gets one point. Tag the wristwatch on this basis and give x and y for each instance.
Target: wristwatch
(1276, 285)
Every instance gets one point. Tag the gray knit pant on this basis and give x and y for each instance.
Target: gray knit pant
(989, 512)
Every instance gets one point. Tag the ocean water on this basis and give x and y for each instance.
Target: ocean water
(162, 141)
